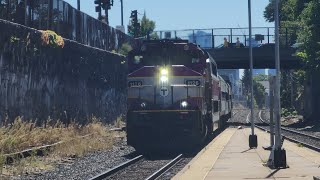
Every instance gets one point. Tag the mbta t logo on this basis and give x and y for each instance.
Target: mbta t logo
(164, 91)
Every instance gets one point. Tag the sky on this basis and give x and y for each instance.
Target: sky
(185, 14)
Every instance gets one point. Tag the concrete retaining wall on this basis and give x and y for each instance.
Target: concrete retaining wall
(68, 83)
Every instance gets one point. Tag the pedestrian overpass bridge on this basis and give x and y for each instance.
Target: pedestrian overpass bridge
(263, 58)
(238, 58)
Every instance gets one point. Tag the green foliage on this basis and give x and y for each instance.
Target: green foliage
(260, 77)
(269, 12)
(309, 36)
(304, 14)
(147, 27)
(125, 49)
(289, 10)
(154, 35)
(288, 112)
(258, 89)
(259, 93)
(246, 81)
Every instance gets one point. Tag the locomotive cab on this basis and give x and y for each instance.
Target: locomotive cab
(171, 85)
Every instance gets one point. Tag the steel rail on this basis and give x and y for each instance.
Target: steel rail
(301, 133)
(117, 168)
(293, 140)
(292, 131)
(165, 168)
(38, 151)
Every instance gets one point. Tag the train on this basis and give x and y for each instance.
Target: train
(176, 99)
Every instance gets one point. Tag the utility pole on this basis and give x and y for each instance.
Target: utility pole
(106, 13)
(98, 8)
(78, 4)
(253, 139)
(271, 95)
(27, 8)
(121, 13)
(278, 155)
(78, 36)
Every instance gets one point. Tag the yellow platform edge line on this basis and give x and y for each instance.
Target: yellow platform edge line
(199, 167)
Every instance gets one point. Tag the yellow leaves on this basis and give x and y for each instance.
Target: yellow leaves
(302, 55)
(50, 38)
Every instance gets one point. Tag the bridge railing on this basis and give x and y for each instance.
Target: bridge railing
(62, 18)
(213, 38)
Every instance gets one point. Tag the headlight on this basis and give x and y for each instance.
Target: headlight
(164, 79)
(164, 75)
(184, 104)
(164, 72)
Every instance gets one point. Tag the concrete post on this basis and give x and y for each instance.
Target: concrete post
(253, 140)
(278, 155)
(271, 92)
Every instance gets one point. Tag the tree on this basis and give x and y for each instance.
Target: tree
(305, 15)
(288, 14)
(310, 35)
(147, 27)
(259, 93)
(289, 10)
(246, 81)
(260, 77)
(258, 89)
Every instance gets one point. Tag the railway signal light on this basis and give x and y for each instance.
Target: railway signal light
(98, 5)
(134, 22)
(98, 9)
(134, 14)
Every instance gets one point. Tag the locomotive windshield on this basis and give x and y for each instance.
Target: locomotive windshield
(165, 56)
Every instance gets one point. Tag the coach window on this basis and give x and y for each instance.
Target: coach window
(214, 69)
(215, 106)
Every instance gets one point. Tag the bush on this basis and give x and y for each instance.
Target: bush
(288, 112)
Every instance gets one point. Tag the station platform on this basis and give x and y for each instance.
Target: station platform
(228, 157)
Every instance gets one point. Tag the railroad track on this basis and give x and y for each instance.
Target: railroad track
(307, 140)
(140, 168)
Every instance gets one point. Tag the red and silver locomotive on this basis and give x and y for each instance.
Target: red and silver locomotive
(175, 96)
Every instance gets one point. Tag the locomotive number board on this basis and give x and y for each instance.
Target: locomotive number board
(193, 83)
(134, 83)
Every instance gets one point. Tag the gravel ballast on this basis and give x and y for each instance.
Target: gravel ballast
(88, 166)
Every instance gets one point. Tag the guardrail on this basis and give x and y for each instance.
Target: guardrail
(65, 20)
(214, 37)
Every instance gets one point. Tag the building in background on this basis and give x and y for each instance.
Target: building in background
(272, 72)
(234, 78)
(259, 71)
(253, 42)
(203, 39)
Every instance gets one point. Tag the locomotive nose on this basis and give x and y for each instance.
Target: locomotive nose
(164, 75)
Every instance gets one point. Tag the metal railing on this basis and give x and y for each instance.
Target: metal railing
(65, 20)
(213, 38)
